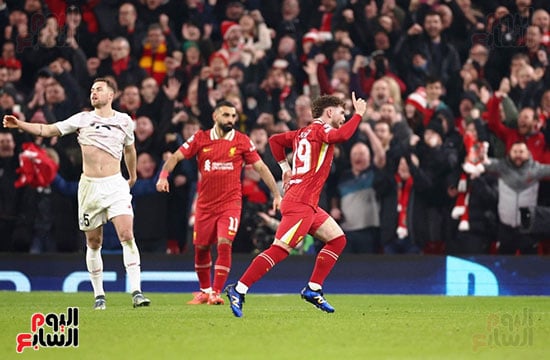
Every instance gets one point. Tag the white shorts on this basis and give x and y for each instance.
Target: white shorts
(101, 199)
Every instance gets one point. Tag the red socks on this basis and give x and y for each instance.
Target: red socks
(203, 263)
(262, 264)
(326, 259)
(222, 267)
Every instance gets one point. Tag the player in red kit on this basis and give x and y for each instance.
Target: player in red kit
(221, 154)
(313, 148)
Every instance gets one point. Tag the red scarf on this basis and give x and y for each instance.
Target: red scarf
(120, 65)
(153, 62)
(403, 196)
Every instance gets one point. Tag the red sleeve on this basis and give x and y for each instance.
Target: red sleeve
(345, 132)
(191, 146)
(280, 142)
(250, 154)
(494, 121)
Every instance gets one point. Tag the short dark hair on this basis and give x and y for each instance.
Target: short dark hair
(431, 79)
(107, 81)
(321, 103)
(223, 103)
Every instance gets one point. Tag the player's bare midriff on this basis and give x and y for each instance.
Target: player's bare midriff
(98, 163)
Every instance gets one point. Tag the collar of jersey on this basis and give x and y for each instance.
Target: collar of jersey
(214, 135)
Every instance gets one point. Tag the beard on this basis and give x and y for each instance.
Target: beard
(227, 127)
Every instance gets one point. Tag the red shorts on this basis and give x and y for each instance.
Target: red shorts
(297, 221)
(209, 227)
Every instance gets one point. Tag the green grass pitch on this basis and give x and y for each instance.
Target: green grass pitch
(286, 327)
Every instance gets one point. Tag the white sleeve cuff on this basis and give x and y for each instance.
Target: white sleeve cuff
(284, 166)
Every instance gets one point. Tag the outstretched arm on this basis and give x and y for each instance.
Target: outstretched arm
(43, 130)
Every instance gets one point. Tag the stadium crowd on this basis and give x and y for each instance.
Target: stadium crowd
(458, 96)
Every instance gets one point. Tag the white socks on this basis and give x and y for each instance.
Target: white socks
(132, 262)
(94, 263)
(314, 286)
(241, 288)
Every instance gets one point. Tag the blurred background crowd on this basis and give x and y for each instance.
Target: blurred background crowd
(448, 83)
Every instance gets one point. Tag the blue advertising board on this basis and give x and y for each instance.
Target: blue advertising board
(353, 274)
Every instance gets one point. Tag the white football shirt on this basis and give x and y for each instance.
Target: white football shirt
(108, 134)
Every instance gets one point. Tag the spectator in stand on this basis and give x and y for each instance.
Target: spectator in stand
(397, 193)
(537, 52)
(379, 95)
(256, 34)
(10, 61)
(46, 52)
(442, 57)
(150, 206)
(291, 19)
(76, 28)
(528, 87)
(527, 130)
(191, 64)
(192, 30)
(130, 101)
(130, 27)
(433, 213)
(378, 66)
(477, 196)
(9, 196)
(147, 138)
(541, 19)
(285, 56)
(276, 94)
(149, 12)
(154, 51)
(121, 65)
(518, 185)
(234, 47)
(356, 206)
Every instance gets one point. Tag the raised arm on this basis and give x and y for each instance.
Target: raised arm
(43, 130)
(346, 131)
(379, 154)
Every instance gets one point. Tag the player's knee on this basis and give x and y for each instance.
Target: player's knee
(339, 241)
(224, 241)
(94, 241)
(125, 235)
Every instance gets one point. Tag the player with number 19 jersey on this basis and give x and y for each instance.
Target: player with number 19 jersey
(220, 162)
(313, 152)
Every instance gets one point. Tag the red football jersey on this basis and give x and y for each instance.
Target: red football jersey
(220, 162)
(313, 148)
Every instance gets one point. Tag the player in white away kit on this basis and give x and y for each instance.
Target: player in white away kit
(103, 194)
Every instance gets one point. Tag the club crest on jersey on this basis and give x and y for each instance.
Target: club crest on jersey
(232, 151)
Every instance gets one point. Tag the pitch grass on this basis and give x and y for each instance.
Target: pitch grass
(284, 327)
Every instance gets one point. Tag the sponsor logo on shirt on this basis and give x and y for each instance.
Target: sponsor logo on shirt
(217, 166)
